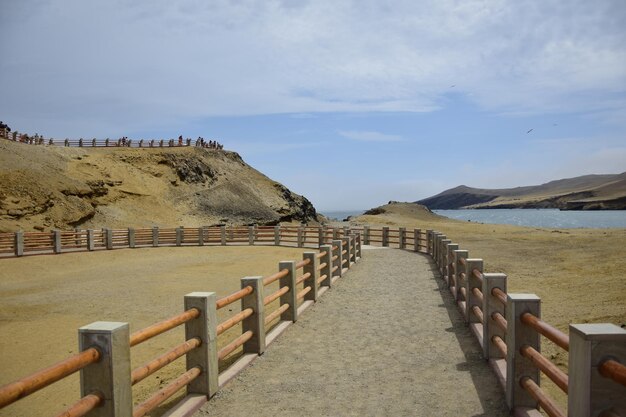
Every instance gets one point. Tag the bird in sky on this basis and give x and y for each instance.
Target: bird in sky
(530, 131)
(453, 85)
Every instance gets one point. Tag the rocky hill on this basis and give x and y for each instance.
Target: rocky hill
(45, 187)
(589, 192)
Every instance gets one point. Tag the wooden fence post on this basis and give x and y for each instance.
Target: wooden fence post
(131, 237)
(200, 236)
(180, 235)
(276, 235)
(299, 238)
(110, 376)
(108, 234)
(19, 243)
(311, 268)
(338, 262)
(256, 322)
(589, 392)
(290, 297)
(385, 238)
(90, 241)
(326, 259)
(518, 335)
(204, 327)
(56, 239)
(402, 238)
(155, 236)
(251, 235)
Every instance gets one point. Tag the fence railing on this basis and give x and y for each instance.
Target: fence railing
(106, 347)
(509, 328)
(108, 143)
(56, 241)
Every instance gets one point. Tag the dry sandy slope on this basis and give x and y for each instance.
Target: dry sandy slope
(45, 299)
(578, 273)
(45, 187)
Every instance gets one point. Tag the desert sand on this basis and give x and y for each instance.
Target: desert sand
(45, 299)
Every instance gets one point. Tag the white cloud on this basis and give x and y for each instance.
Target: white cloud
(122, 64)
(367, 136)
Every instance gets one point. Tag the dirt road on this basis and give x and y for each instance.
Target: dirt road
(384, 341)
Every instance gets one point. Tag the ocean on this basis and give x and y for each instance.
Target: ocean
(555, 218)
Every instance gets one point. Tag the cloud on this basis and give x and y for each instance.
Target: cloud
(367, 136)
(125, 64)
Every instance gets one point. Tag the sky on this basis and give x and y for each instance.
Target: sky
(349, 103)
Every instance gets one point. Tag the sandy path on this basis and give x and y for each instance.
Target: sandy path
(383, 341)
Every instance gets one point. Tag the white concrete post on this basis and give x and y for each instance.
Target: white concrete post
(131, 237)
(353, 248)
(315, 274)
(300, 237)
(359, 247)
(223, 234)
(457, 255)
(346, 231)
(203, 327)
(251, 235)
(385, 238)
(590, 393)
(402, 238)
(179, 235)
(320, 236)
(110, 376)
(470, 283)
(56, 239)
(337, 262)
(491, 305)
(155, 236)
(451, 278)
(90, 241)
(256, 322)
(290, 297)
(518, 335)
(416, 240)
(429, 241)
(77, 241)
(108, 237)
(276, 235)
(335, 233)
(366, 235)
(200, 236)
(444, 259)
(346, 246)
(19, 243)
(327, 259)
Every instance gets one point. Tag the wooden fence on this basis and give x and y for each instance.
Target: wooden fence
(105, 347)
(507, 326)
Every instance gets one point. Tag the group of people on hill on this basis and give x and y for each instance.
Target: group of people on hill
(212, 144)
(4, 127)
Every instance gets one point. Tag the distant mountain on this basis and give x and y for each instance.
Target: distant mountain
(588, 192)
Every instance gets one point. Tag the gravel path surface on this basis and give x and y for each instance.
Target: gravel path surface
(383, 341)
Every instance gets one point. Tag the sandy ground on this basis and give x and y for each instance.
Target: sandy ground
(45, 299)
(384, 341)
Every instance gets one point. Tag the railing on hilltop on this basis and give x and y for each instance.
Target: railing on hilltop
(214, 351)
(108, 143)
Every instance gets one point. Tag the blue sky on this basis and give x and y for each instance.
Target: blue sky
(351, 104)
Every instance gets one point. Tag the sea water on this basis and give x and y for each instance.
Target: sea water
(555, 218)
